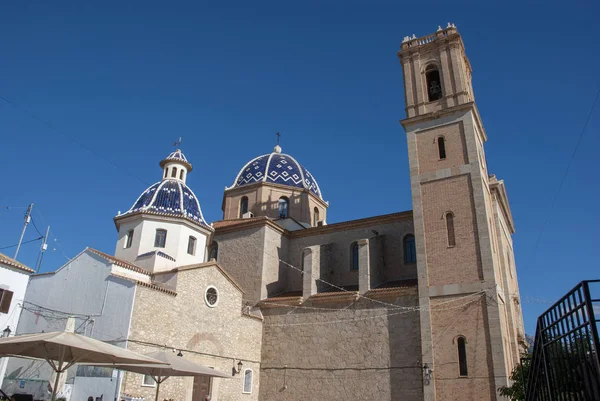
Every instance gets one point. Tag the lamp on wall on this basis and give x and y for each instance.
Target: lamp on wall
(180, 353)
(6, 332)
(240, 365)
(427, 373)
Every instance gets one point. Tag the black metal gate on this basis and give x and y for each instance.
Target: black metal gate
(564, 363)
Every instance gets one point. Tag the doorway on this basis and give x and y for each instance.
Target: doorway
(202, 387)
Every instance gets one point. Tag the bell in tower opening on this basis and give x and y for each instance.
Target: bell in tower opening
(434, 89)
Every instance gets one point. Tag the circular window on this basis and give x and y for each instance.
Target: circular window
(211, 296)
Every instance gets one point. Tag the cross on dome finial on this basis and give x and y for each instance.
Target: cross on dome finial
(277, 148)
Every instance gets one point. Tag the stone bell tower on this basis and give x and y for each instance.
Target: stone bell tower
(470, 326)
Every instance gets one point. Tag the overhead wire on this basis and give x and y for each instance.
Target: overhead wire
(22, 243)
(71, 138)
(566, 172)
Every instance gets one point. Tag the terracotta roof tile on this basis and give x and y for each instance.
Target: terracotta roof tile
(5, 260)
(235, 222)
(148, 285)
(120, 262)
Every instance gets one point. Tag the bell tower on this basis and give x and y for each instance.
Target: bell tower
(470, 325)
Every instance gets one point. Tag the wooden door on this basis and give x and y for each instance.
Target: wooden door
(202, 385)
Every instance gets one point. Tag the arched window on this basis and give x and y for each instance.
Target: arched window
(174, 172)
(283, 207)
(243, 206)
(160, 239)
(441, 147)
(354, 255)
(214, 251)
(410, 252)
(461, 344)
(434, 84)
(450, 229)
(191, 245)
(166, 173)
(247, 381)
(315, 217)
(181, 174)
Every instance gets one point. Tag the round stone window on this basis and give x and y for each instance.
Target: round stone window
(211, 296)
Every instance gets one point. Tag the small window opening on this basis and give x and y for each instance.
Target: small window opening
(248, 381)
(5, 300)
(434, 87)
(174, 172)
(214, 251)
(166, 173)
(243, 206)
(354, 251)
(462, 356)
(129, 239)
(316, 217)
(450, 229)
(283, 207)
(191, 249)
(410, 252)
(181, 174)
(160, 239)
(442, 147)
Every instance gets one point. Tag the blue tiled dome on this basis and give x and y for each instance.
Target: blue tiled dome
(169, 197)
(277, 168)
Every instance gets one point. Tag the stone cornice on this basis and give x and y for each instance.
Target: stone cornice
(162, 217)
(346, 225)
(498, 187)
(254, 186)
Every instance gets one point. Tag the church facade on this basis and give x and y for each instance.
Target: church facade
(416, 305)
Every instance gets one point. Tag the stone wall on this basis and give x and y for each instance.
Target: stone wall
(388, 253)
(241, 255)
(357, 351)
(184, 321)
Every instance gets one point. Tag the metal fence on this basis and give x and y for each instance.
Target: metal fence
(564, 364)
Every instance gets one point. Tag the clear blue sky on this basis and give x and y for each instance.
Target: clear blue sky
(127, 78)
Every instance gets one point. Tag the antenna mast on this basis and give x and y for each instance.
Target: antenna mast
(27, 220)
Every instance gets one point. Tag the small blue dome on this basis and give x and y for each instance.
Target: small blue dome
(277, 168)
(172, 198)
(177, 156)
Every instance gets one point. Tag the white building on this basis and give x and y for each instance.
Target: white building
(14, 277)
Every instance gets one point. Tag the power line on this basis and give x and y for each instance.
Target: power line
(72, 139)
(26, 242)
(36, 229)
(566, 173)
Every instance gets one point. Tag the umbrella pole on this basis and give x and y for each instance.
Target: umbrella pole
(157, 390)
(58, 372)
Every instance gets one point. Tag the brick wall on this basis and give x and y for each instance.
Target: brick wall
(461, 263)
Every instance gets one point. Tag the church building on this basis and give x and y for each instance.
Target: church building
(416, 305)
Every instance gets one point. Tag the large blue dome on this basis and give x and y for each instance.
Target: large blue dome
(277, 168)
(170, 198)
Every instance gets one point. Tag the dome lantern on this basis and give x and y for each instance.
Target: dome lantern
(176, 166)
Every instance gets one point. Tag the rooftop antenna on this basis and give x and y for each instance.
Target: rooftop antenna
(27, 220)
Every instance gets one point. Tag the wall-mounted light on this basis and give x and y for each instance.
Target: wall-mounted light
(240, 365)
(427, 373)
(6, 332)
(179, 353)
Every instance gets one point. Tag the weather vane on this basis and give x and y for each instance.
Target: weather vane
(178, 142)
(278, 136)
